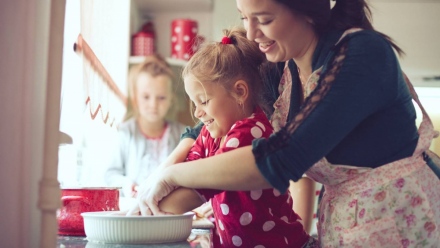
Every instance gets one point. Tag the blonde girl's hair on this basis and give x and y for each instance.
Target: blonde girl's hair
(224, 64)
(154, 65)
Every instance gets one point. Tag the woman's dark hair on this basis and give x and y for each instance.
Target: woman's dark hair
(344, 15)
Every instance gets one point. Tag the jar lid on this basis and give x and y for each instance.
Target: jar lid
(143, 34)
(89, 188)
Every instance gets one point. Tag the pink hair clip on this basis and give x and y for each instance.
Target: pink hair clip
(226, 40)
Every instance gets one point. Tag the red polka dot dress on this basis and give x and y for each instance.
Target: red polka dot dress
(257, 218)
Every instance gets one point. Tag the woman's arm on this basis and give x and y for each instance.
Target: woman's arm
(233, 170)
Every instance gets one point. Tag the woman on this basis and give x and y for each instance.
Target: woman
(355, 131)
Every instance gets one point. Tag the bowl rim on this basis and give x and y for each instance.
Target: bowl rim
(121, 215)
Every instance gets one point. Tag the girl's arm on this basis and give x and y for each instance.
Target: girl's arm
(179, 153)
(180, 201)
(303, 196)
(187, 139)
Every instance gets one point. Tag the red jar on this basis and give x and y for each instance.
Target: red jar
(75, 201)
(142, 43)
(183, 38)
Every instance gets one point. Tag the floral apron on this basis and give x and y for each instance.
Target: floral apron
(394, 205)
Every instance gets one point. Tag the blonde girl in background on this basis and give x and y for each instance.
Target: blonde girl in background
(146, 137)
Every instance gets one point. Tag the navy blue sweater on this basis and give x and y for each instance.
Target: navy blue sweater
(366, 119)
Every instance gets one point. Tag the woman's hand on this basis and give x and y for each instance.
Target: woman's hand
(151, 192)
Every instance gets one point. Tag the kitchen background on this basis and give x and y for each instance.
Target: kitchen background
(34, 62)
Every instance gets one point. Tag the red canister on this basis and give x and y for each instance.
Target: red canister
(183, 38)
(79, 200)
(143, 41)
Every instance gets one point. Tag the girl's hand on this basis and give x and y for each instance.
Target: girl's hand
(129, 190)
(205, 210)
(151, 192)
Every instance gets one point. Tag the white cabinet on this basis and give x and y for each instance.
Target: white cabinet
(212, 17)
(163, 12)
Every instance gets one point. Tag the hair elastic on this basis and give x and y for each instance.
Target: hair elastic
(226, 40)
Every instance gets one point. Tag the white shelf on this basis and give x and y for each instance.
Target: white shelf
(174, 5)
(173, 62)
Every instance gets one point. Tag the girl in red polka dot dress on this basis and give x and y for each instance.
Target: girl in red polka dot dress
(222, 80)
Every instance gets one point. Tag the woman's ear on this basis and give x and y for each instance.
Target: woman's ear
(241, 90)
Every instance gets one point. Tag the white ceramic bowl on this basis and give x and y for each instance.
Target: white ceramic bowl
(115, 227)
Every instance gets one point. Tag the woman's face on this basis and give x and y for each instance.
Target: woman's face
(280, 33)
(153, 96)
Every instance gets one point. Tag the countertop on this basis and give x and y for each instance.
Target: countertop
(199, 238)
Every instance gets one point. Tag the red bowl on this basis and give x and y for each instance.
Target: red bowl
(75, 201)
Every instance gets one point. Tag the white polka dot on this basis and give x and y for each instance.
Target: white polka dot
(268, 225)
(177, 30)
(177, 47)
(245, 218)
(285, 219)
(196, 153)
(259, 246)
(173, 39)
(252, 116)
(221, 240)
(261, 125)
(194, 30)
(237, 240)
(285, 239)
(256, 194)
(232, 127)
(186, 38)
(220, 223)
(256, 132)
(203, 139)
(276, 192)
(225, 208)
(270, 211)
(233, 142)
(186, 56)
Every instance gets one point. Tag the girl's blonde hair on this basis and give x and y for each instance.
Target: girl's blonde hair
(225, 64)
(154, 65)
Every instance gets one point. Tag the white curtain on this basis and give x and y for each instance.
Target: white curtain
(104, 25)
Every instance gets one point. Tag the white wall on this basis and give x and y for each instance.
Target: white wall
(414, 25)
(225, 15)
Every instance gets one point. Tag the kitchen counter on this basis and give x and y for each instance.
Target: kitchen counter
(199, 238)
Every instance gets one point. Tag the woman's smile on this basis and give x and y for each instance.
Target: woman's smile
(266, 46)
